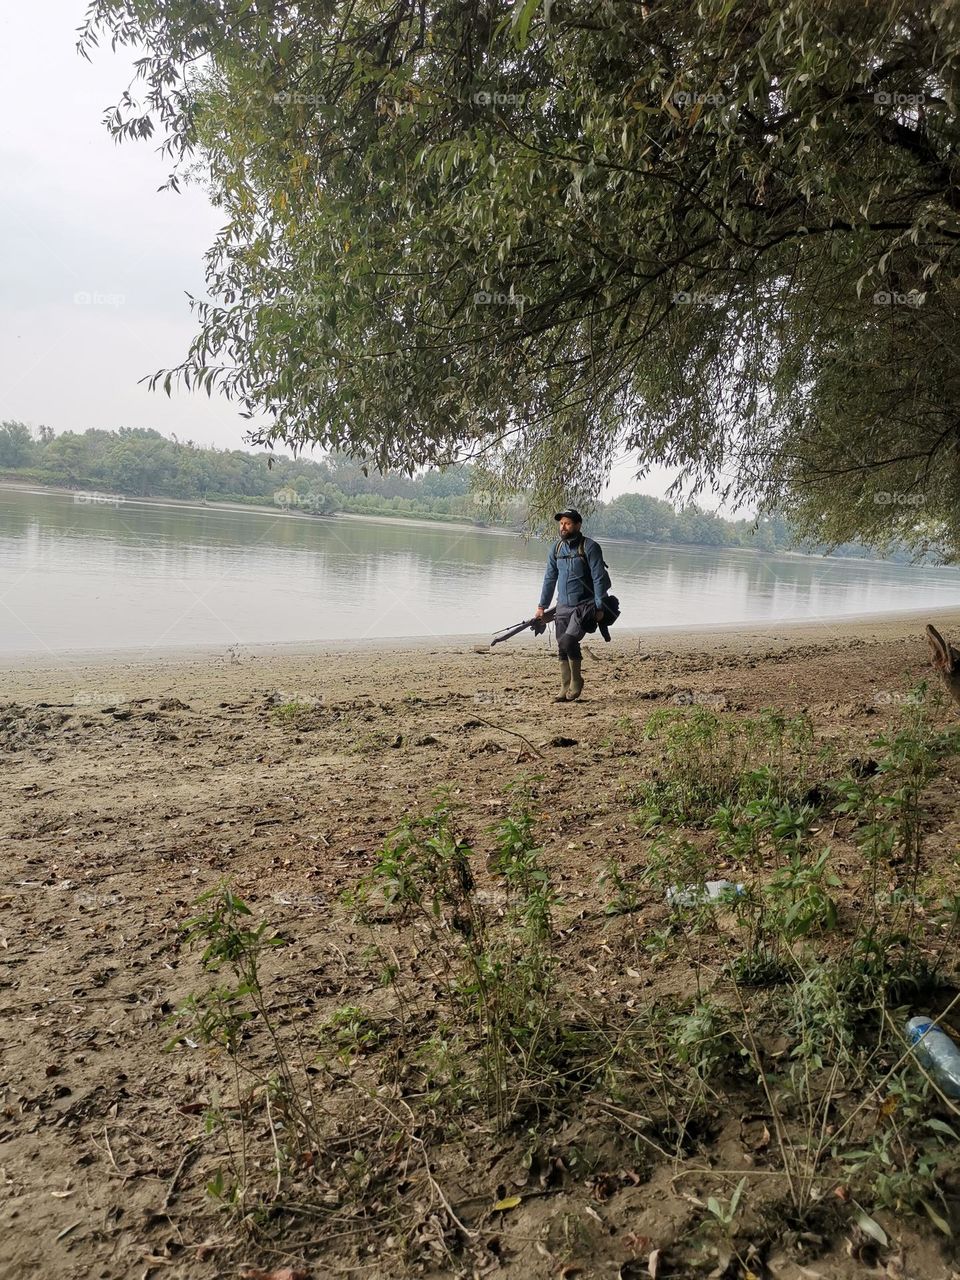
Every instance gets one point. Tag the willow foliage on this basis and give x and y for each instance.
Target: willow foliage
(724, 235)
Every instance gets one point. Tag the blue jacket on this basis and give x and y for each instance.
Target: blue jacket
(577, 577)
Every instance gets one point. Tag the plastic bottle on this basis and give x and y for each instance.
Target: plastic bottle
(938, 1052)
(696, 894)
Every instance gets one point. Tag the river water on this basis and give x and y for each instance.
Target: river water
(87, 572)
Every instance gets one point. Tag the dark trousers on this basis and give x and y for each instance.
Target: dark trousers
(572, 622)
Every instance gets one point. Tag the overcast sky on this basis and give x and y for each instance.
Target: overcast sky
(95, 262)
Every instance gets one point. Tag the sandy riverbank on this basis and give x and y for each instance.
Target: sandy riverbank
(210, 671)
(148, 778)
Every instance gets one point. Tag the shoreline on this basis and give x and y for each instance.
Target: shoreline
(419, 522)
(277, 511)
(207, 668)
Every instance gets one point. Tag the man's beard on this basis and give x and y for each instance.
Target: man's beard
(570, 534)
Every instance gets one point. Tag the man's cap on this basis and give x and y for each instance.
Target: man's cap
(571, 513)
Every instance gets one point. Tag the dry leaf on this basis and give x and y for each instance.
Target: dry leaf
(639, 1244)
(653, 1264)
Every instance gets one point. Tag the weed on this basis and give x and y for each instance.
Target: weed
(294, 712)
(219, 1017)
(626, 896)
(701, 1040)
(725, 1215)
(800, 900)
(499, 982)
(352, 1031)
(707, 762)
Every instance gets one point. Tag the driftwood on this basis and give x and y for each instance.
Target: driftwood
(946, 660)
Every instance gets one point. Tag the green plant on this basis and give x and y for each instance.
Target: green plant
(352, 1031)
(746, 826)
(726, 1214)
(707, 760)
(799, 899)
(901, 1165)
(499, 980)
(701, 1040)
(626, 896)
(219, 1017)
(294, 711)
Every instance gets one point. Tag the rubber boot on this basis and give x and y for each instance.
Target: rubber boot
(576, 680)
(564, 680)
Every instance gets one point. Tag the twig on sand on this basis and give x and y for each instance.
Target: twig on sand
(187, 1156)
(419, 1143)
(106, 1138)
(504, 729)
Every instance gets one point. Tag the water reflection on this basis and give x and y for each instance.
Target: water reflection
(95, 575)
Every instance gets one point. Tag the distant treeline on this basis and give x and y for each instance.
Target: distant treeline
(142, 463)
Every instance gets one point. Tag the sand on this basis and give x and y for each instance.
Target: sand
(131, 782)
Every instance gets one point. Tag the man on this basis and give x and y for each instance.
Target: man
(575, 567)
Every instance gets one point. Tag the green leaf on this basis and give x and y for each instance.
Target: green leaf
(508, 1202)
(940, 1223)
(523, 15)
(870, 1227)
(941, 1126)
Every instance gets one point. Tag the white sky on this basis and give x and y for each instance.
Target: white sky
(81, 215)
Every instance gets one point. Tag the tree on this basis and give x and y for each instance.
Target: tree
(652, 517)
(616, 520)
(67, 456)
(452, 482)
(17, 446)
(723, 236)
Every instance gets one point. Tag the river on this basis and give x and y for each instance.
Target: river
(87, 572)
